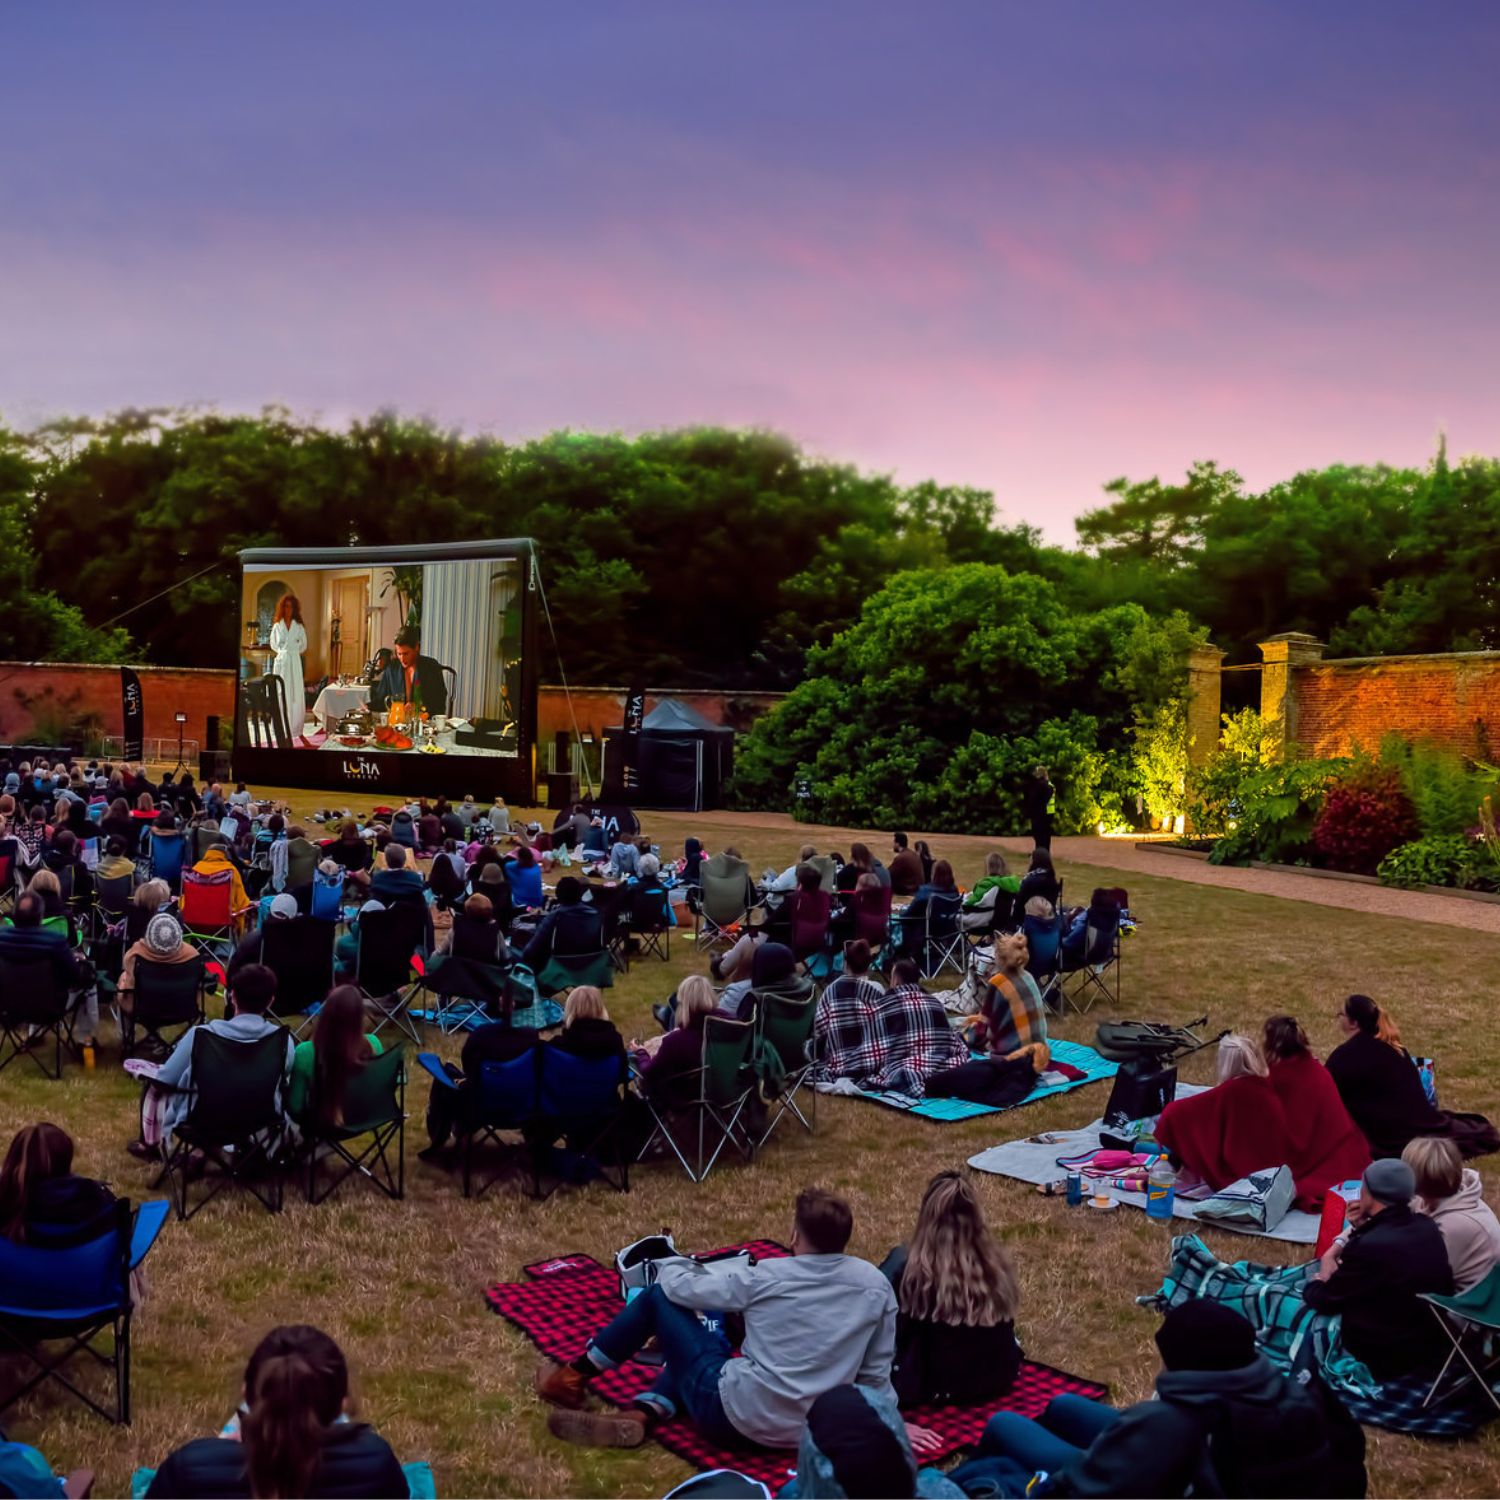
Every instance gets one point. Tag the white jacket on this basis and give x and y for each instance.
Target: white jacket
(1470, 1231)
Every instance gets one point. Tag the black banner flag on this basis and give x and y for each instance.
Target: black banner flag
(134, 715)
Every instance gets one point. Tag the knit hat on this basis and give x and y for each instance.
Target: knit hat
(284, 905)
(1205, 1336)
(163, 935)
(1391, 1181)
(372, 905)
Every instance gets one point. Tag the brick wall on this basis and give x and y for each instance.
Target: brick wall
(600, 708)
(39, 692)
(1453, 700)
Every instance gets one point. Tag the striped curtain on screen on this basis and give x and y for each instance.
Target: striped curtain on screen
(460, 627)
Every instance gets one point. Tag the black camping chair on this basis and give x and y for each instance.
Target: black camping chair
(299, 952)
(31, 996)
(375, 1112)
(648, 919)
(1094, 971)
(382, 966)
(165, 995)
(234, 1118)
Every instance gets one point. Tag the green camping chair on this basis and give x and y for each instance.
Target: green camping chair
(725, 900)
(563, 971)
(1472, 1316)
(725, 1084)
(786, 1027)
(375, 1113)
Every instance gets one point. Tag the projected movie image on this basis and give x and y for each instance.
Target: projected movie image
(390, 659)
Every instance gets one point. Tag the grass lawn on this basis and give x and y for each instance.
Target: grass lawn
(446, 1380)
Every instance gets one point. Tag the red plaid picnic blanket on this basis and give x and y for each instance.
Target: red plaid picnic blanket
(565, 1301)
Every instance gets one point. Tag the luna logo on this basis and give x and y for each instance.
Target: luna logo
(361, 769)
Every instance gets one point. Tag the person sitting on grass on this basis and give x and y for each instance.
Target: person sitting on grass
(292, 1434)
(1224, 1421)
(1383, 1092)
(42, 1202)
(1327, 1147)
(1452, 1196)
(957, 1293)
(326, 1064)
(523, 873)
(919, 1043)
(814, 1320)
(1012, 1014)
(1235, 1128)
(841, 1026)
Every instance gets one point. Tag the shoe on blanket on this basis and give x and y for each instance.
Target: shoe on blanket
(599, 1429)
(561, 1385)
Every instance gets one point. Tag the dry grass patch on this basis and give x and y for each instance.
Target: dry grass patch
(444, 1379)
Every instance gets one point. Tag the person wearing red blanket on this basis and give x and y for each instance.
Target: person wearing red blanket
(1327, 1146)
(1233, 1129)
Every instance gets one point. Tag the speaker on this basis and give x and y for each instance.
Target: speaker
(211, 733)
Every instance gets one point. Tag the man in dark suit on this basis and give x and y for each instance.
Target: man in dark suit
(410, 672)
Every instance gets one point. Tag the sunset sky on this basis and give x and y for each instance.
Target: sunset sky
(1028, 247)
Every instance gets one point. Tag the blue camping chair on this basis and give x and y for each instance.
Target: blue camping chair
(583, 1098)
(327, 900)
(77, 1294)
(504, 1097)
(1044, 957)
(167, 856)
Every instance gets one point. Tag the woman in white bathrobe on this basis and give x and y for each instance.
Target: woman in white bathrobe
(289, 642)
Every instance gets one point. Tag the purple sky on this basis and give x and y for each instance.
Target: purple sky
(1024, 246)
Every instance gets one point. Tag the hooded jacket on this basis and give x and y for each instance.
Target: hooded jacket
(1470, 1231)
(1250, 1431)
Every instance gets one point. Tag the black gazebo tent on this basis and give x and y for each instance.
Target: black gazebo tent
(682, 760)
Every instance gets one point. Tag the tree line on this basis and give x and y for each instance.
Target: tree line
(704, 556)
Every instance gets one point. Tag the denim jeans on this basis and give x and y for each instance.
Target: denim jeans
(689, 1380)
(1014, 1447)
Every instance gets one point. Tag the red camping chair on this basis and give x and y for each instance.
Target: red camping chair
(208, 914)
(810, 913)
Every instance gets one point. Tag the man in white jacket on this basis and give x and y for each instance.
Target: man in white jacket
(814, 1320)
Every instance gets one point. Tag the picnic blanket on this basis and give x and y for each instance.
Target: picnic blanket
(1033, 1161)
(1076, 1054)
(536, 1017)
(564, 1302)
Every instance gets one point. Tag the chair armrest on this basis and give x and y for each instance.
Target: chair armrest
(79, 1484)
(434, 1065)
(149, 1218)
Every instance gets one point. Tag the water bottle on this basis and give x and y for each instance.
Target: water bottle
(1161, 1188)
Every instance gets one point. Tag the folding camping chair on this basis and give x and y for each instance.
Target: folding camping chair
(165, 995)
(725, 901)
(464, 988)
(1094, 971)
(646, 917)
(725, 1084)
(504, 1097)
(1472, 1316)
(299, 952)
(375, 1111)
(382, 965)
(234, 1118)
(583, 1100)
(31, 996)
(166, 857)
(79, 1294)
(1043, 952)
(208, 912)
(786, 1026)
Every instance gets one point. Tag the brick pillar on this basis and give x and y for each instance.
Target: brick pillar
(1282, 655)
(1204, 684)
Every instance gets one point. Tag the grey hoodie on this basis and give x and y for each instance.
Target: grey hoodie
(1471, 1232)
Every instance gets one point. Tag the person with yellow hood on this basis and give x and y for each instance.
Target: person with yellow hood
(214, 862)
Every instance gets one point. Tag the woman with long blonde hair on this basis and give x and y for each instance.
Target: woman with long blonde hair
(957, 1294)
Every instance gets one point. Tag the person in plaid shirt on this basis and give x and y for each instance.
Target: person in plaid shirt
(915, 1035)
(844, 1034)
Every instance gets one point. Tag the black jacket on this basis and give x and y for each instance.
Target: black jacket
(357, 1461)
(589, 1038)
(565, 929)
(1250, 1431)
(1389, 1259)
(1383, 1093)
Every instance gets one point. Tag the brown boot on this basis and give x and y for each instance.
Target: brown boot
(561, 1385)
(599, 1429)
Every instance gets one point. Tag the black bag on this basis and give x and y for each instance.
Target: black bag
(1142, 1089)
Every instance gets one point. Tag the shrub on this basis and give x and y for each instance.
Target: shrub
(1444, 788)
(1451, 859)
(1363, 818)
(1273, 809)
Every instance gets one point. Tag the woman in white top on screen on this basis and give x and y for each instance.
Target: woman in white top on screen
(289, 642)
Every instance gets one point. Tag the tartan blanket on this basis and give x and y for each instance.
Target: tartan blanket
(1294, 1337)
(565, 1301)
